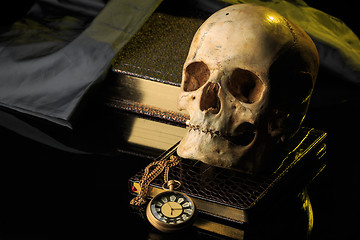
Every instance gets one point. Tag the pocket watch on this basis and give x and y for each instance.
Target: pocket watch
(171, 210)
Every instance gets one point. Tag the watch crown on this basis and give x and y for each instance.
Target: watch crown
(171, 184)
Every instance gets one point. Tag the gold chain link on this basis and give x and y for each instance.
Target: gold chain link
(149, 176)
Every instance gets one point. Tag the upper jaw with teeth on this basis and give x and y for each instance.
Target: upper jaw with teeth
(205, 130)
(243, 138)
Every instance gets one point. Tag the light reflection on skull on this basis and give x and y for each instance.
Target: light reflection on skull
(246, 84)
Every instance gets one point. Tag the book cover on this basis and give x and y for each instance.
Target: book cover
(233, 197)
(158, 51)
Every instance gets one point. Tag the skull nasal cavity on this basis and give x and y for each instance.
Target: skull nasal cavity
(196, 75)
(245, 86)
(209, 98)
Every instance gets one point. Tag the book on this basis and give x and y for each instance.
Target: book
(152, 134)
(229, 199)
(126, 132)
(141, 96)
(146, 76)
(147, 72)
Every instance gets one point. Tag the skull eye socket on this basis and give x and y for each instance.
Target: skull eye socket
(245, 86)
(196, 75)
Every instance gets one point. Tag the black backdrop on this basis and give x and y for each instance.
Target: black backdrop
(53, 194)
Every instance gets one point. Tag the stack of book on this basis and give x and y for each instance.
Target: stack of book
(146, 77)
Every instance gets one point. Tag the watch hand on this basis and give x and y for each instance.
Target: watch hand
(171, 209)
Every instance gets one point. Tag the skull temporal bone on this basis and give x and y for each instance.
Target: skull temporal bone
(245, 63)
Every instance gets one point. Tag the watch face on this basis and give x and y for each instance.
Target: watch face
(172, 207)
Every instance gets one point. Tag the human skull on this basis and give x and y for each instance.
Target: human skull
(246, 84)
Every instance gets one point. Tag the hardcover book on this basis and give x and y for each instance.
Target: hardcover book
(147, 71)
(138, 134)
(226, 199)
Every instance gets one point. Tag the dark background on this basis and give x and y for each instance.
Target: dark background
(51, 194)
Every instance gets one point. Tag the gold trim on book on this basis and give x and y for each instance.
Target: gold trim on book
(149, 111)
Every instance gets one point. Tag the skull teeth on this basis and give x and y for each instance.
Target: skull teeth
(244, 138)
(204, 130)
